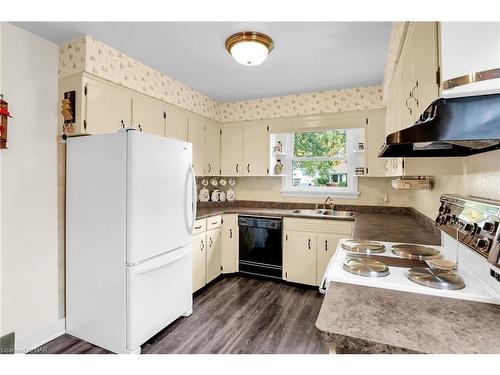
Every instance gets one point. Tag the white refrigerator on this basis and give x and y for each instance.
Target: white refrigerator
(130, 210)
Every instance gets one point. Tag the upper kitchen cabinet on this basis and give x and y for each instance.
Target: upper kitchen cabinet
(423, 39)
(212, 146)
(374, 138)
(149, 114)
(256, 150)
(196, 136)
(107, 108)
(415, 84)
(231, 150)
(177, 123)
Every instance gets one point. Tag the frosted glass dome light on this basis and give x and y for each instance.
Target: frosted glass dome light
(249, 48)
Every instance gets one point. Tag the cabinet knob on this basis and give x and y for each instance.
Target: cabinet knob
(230, 233)
(326, 245)
(248, 167)
(236, 167)
(209, 168)
(309, 244)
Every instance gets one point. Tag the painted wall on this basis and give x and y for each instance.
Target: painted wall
(481, 178)
(372, 191)
(86, 54)
(29, 245)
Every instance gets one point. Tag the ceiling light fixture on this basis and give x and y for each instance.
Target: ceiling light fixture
(249, 47)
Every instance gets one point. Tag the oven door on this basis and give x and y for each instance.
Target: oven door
(260, 246)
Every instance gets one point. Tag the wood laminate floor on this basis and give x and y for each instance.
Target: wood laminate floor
(236, 314)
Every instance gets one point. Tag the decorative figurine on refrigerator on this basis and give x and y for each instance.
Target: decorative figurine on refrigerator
(4, 115)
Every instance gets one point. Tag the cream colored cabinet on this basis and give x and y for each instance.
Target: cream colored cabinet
(256, 150)
(374, 139)
(177, 123)
(196, 136)
(308, 245)
(106, 108)
(214, 261)
(212, 146)
(325, 248)
(229, 243)
(299, 257)
(199, 261)
(232, 151)
(422, 40)
(149, 115)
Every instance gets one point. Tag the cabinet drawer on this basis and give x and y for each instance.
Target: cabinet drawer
(214, 222)
(200, 226)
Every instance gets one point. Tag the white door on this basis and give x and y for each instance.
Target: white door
(177, 123)
(229, 243)
(160, 191)
(149, 114)
(106, 108)
(196, 136)
(232, 151)
(158, 292)
(255, 150)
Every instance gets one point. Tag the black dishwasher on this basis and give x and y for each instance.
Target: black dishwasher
(260, 246)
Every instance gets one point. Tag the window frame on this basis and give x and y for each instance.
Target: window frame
(349, 192)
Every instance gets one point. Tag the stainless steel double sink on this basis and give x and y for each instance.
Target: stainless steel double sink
(334, 214)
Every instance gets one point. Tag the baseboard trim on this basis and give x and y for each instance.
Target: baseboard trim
(37, 338)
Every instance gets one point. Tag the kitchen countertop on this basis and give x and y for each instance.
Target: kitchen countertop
(361, 319)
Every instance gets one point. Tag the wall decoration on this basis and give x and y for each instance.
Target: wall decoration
(4, 118)
(86, 54)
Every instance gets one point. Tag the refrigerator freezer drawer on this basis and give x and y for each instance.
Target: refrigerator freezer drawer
(159, 291)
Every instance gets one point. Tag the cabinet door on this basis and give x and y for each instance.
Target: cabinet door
(213, 254)
(325, 248)
(177, 123)
(199, 261)
(374, 138)
(407, 81)
(299, 257)
(229, 243)
(149, 114)
(423, 40)
(232, 151)
(255, 150)
(212, 159)
(196, 136)
(106, 108)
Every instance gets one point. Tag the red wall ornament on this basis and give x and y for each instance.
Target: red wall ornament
(4, 115)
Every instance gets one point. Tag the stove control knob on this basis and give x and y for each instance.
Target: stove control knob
(482, 243)
(489, 227)
(469, 228)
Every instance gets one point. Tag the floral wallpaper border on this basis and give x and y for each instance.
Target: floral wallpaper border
(86, 54)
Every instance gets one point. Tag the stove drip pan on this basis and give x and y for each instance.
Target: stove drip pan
(366, 267)
(418, 252)
(363, 247)
(436, 279)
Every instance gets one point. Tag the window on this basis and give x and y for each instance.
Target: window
(321, 162)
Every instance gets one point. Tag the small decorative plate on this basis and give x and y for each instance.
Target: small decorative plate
(222, 182)
(232, 181)
(204, 182)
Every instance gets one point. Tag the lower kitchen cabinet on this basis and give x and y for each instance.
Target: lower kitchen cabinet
(213, 254)
(206, 244)
(199, 262)
(309, 245)
(299, 260)
(325, 248)
(229, 243)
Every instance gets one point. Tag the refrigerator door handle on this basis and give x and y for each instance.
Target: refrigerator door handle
(159, 265)
(193, 201)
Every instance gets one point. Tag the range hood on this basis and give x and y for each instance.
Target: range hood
(450, 127)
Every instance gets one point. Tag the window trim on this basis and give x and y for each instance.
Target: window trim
(348, 192)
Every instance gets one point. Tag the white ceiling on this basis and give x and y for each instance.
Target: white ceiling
(308, 56)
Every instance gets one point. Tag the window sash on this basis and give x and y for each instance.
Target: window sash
(352, 181)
